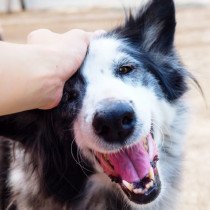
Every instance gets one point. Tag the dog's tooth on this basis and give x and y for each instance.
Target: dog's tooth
(144, 140)
(149, 185)
(145, 144)
(128, 185)
(138, 191)
(105, 156)
(146, 147)
(151, 174)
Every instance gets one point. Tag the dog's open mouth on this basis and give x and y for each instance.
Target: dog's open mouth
(134, 169)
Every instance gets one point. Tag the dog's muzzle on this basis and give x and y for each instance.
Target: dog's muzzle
(133, 167)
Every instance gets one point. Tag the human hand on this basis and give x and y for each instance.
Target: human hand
(33, 75)
(64, 55)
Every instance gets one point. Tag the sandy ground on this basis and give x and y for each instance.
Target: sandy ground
(193, 44)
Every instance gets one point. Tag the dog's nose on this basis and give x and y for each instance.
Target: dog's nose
(114, 122)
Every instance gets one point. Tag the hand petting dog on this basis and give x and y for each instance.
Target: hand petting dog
(33, 75)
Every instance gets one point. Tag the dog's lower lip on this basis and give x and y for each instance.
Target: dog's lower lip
(144, 191)
(140, 188)
(144, 198)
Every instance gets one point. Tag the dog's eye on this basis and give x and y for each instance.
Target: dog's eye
(126, 69)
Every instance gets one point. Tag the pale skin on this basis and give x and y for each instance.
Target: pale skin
(32, 76)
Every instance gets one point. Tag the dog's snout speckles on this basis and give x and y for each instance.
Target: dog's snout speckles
(102, 71)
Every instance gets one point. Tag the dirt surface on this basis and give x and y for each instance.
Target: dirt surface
(193, 44)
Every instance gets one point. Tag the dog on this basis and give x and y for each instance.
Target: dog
(115, 141)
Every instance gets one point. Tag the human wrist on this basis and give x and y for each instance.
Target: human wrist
(47, 80)
(29, 77)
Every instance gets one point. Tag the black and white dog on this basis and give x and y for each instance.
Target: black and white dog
(116, 139)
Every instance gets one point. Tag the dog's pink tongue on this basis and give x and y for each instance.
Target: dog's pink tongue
(133, 164)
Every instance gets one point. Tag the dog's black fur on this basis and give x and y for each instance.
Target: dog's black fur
(47, 136)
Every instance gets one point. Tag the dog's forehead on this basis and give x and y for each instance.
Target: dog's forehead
(103, 52)
(103, 46)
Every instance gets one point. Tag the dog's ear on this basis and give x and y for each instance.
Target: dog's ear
(153, 28)
(22, 126)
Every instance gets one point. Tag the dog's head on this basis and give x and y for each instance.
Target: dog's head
(133, 80)
(115, 110)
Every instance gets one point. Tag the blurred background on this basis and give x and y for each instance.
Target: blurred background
(19, 17)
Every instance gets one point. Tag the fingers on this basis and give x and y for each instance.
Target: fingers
(45, 36)
(99, 32)
(83, 35)
(41, 36)
(76, 35)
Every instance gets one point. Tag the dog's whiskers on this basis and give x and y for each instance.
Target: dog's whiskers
(79, 156)
(77, 160)
(161, 132)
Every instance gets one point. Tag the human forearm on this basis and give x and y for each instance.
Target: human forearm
(24, 88)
